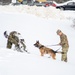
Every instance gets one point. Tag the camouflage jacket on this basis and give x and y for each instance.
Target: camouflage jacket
(64, 41)
(12, 38)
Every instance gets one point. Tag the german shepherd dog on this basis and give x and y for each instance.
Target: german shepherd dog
(44, 50)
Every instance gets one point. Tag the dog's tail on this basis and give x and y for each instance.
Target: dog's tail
(59, 52)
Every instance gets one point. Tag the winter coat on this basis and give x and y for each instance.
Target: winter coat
(64, 41)
(12, 38)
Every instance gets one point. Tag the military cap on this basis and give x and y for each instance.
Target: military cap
(58, 31)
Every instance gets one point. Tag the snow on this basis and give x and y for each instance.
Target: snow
(37, 11)
(36, 23)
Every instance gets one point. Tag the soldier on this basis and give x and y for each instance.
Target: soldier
(64, 44)
(12, 39)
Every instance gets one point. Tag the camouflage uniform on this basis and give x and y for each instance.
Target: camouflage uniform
(65, 46)
(12, 39)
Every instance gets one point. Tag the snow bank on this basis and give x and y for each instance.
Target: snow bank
(44, 12)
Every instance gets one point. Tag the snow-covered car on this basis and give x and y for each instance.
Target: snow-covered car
(69, 5)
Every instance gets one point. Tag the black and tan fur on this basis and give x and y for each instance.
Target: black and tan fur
(45, 50)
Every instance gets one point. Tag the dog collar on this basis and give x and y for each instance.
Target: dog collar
(41, 46)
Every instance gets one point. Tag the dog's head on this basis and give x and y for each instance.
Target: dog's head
(36, 44)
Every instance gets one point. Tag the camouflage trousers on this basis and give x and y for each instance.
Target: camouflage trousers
(9, 44)
(64, 55)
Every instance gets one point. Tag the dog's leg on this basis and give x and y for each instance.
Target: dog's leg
(42, 52)
(53, 56)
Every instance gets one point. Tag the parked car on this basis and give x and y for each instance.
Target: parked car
(36, 3)
(50, 3)
(45, 4)
(69, 5)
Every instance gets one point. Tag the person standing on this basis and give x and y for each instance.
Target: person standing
(64, 44)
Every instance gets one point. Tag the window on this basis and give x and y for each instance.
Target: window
(71, 3)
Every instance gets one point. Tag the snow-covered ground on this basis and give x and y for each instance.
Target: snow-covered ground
(36, 23)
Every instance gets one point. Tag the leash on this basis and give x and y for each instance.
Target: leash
(53, 45)
(58, 49)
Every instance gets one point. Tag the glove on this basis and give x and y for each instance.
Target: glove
(61, 43)
(62, 52)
